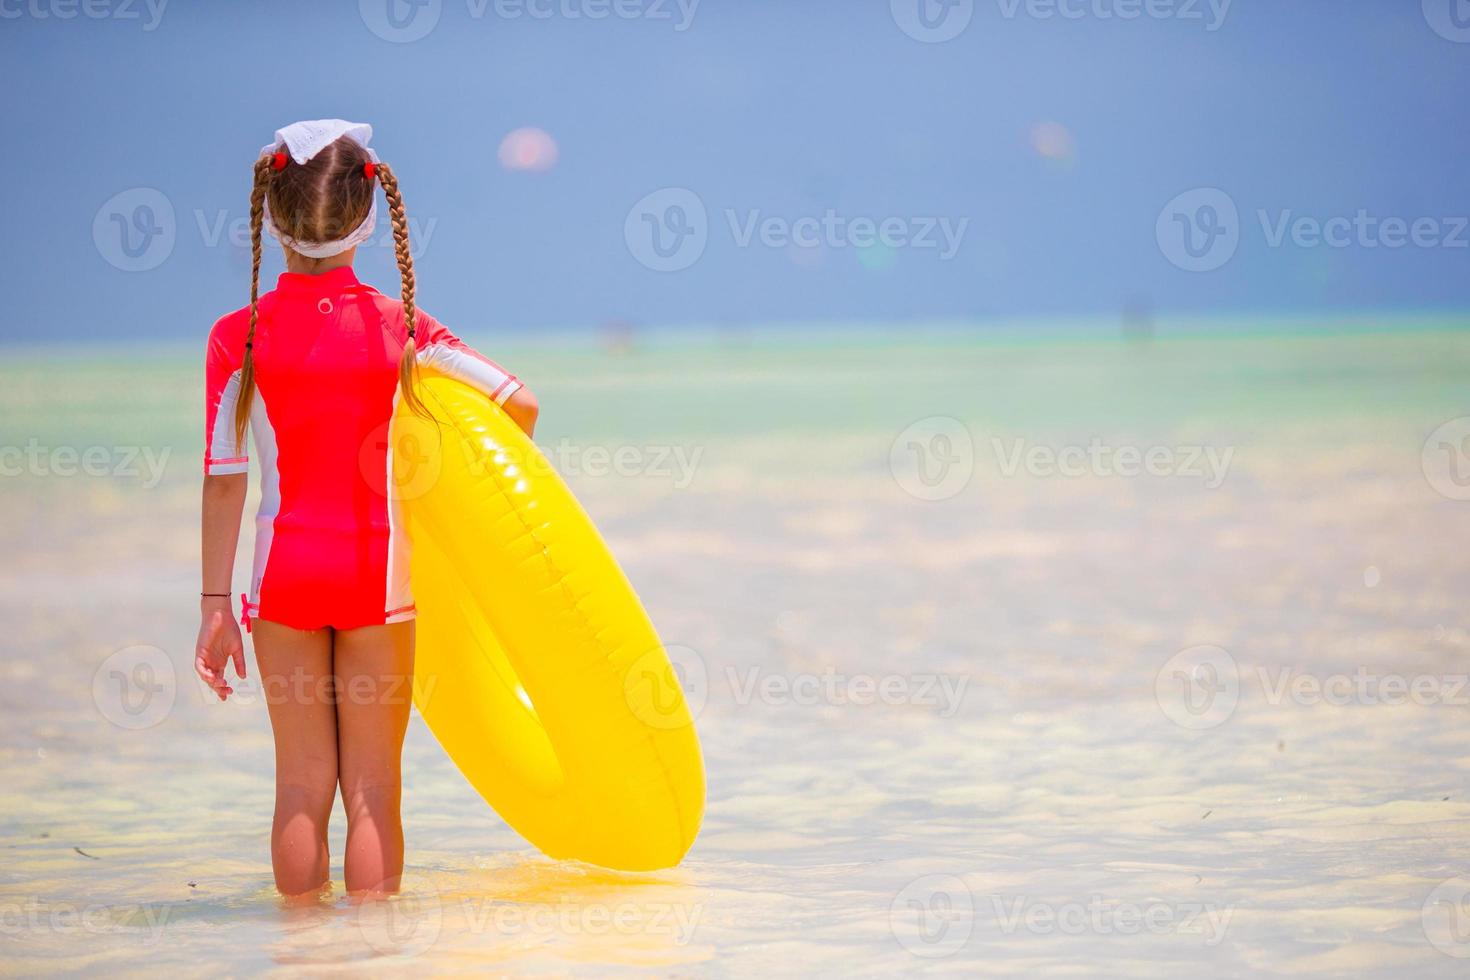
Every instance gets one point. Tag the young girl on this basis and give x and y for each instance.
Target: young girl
(313, 369)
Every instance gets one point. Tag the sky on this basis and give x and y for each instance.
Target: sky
(566, 163)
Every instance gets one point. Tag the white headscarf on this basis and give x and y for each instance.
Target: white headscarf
(304, 140)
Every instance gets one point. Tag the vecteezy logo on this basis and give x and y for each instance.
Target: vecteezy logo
(406, 924)
(663, 683)
(1198, 687)
(1446, 459)
(934, 458)
(932, 21)
(1450, 19)
(400, 21)
(134, 230)
(1446, 917)
(1199, 230)
(401, 459)
(667, 230)
(933, 916)
(135, 687)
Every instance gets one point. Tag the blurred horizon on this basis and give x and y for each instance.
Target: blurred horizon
(580, 164)
(609, 341)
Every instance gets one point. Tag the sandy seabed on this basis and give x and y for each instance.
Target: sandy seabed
(977, 690)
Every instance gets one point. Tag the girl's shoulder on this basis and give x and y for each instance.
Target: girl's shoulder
(227, 336)
(390, 308)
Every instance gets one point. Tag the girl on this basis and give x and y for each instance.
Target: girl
(313, 370)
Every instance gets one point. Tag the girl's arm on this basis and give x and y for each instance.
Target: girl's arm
(225, 467)
(219, 636)
(444, 352)
(523, 409)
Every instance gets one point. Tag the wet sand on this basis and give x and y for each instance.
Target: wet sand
(1022, 705)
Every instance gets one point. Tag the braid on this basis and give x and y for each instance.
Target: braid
(246, 395)
(408, 364)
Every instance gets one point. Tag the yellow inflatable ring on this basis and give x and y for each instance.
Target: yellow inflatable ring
(536, 667)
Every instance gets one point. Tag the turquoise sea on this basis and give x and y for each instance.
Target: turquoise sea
(1031, 648)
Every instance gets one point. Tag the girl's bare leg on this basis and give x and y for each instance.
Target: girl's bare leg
(374, 667)
(296, 677)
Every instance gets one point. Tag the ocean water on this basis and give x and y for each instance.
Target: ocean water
(1010, 654)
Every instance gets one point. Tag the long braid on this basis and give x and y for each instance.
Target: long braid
(408, 363)
(263, 171)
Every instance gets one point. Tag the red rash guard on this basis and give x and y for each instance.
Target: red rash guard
(328, 551)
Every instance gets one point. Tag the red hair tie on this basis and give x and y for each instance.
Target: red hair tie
(278, 162)
(369, 170)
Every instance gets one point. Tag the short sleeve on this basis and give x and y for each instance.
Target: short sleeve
(223, 454)
(440, 350)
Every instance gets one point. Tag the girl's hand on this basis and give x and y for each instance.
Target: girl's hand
(219, 641)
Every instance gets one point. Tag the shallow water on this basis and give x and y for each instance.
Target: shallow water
(1205, 719)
